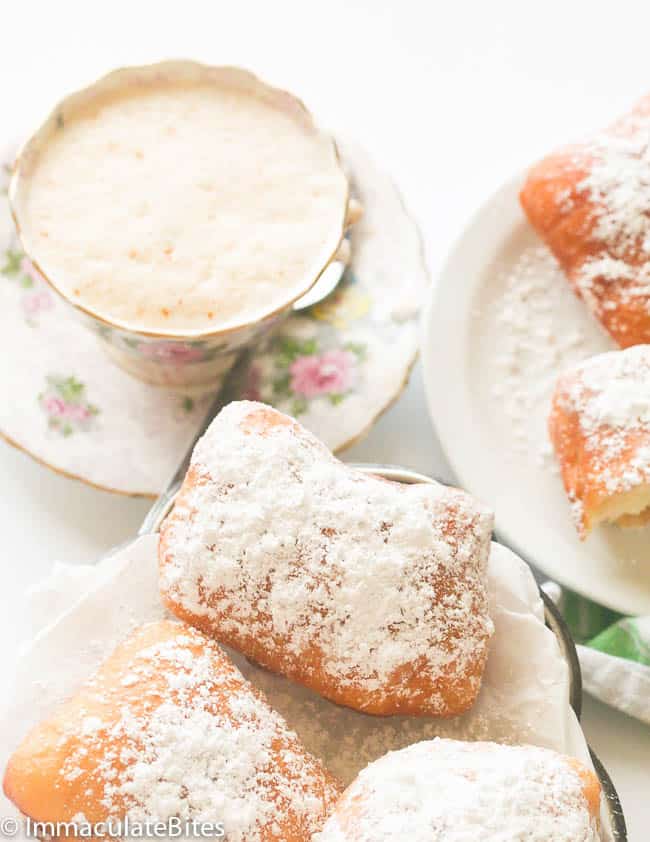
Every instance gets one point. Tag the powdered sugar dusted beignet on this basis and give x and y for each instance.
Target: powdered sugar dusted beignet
(600, 429)
(371, 593)
(590, 203)
(451, 791)
(168, 727)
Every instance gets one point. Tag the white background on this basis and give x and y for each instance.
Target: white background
(451, 97)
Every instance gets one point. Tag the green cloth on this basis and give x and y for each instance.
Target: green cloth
(605, 630)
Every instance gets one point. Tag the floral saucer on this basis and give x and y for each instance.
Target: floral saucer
(336, 366)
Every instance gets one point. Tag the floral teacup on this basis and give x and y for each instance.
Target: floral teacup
(176, 358)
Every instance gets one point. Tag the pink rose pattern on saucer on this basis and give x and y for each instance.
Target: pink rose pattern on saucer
(65, 406)
(37, 297)
(330, 374)
(291, 372)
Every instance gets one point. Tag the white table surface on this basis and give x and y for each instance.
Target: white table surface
(450, 97)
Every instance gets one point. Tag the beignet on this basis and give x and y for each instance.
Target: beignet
(168, 727)
(590, 203)
(600, 428)
(451, 791)
(372, 593)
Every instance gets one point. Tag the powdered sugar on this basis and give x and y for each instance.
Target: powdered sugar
(533, 344)
(543, 334)
(613, 390)
(296, 548)
(612, 269)
(628, 283)
(590, 203)
(194, 741)
(618, 185)
(611, 395)
(444, 791)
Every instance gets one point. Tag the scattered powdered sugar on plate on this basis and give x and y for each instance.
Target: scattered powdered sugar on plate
(444, 791)
(534, 343)
(537, 344)
(512, 325)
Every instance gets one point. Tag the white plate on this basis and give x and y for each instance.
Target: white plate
(492, 348)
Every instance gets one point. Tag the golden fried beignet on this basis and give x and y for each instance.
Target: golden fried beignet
(169, 727)
(600, 428)
(451, 791)
(371, 593)
(590, 203)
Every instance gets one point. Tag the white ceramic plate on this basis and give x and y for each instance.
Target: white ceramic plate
(501, 324)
